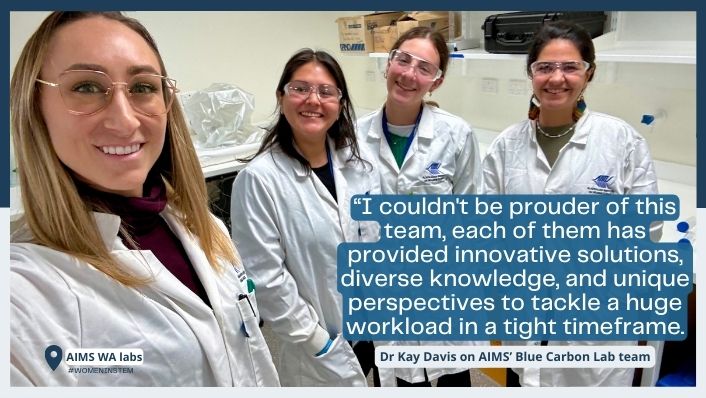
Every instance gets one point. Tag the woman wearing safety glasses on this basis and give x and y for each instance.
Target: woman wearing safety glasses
(290, 210)
(564, 148)
(420, 149)
(117, 249)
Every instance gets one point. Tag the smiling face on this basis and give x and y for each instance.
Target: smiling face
(405, 86)
(558, 92)
(310, 118)
(114, 149)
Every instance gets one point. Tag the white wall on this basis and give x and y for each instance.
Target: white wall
(249, 49)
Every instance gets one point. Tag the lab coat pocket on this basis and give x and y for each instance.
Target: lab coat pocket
(260, 356)
(338, 367)
(246, 308)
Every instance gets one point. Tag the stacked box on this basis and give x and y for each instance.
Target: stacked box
(355, 34)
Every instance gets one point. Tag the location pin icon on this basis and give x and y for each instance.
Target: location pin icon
(53, 355)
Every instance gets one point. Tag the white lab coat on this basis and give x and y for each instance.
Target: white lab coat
(602, 145)
(288, 227)
(58, 299)
(440, 137)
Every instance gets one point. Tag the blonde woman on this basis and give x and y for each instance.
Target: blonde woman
(117, 248)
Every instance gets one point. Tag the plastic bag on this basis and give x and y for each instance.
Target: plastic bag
(220, 116)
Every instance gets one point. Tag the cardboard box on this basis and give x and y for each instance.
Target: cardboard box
(355, 34)
(384, 37)
(436, 20)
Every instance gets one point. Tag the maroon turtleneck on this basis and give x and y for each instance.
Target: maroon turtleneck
(141, 218)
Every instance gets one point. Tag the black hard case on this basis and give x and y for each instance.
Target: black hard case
(512, 32)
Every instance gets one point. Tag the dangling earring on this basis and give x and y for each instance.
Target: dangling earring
(580, 108)
(533, 112)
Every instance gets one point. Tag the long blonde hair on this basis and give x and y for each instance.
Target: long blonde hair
(54, 212)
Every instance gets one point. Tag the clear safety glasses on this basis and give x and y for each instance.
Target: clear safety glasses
(547, 68)
(302, 90)
(424, 68)
(86, 92)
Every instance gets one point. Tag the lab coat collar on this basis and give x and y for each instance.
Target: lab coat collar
(424, 132)
(426, 124)
(375, 132)
(108, 227)
(581, 134)
(376, 138)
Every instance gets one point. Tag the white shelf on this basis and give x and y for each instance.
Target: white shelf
(666, 52)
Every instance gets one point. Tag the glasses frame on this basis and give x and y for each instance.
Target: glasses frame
(557, 65)
(313, 88)
(169, 100)
(394, 52)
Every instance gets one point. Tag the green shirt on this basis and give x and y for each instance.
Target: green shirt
(398, 141)
(552, 146)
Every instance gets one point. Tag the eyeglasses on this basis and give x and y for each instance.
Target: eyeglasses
(302, 90)
(546, 68)
(424, 68)
(86, 92)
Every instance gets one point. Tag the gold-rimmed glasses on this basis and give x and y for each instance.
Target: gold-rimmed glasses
(86, 92)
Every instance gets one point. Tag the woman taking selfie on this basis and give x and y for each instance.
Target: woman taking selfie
(117, 248)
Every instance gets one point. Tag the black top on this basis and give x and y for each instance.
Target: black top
(325, 175)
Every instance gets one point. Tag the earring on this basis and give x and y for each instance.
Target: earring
(535, 101)
(580, 108)
(533, 112)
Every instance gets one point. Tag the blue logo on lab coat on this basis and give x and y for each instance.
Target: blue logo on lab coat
(603, 181)
(433, 168)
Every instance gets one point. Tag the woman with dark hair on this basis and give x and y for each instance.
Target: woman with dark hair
(290, 210)
(116, 248)
(564, 148)
(420, 149)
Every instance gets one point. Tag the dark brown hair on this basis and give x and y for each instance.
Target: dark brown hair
(343, 130)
